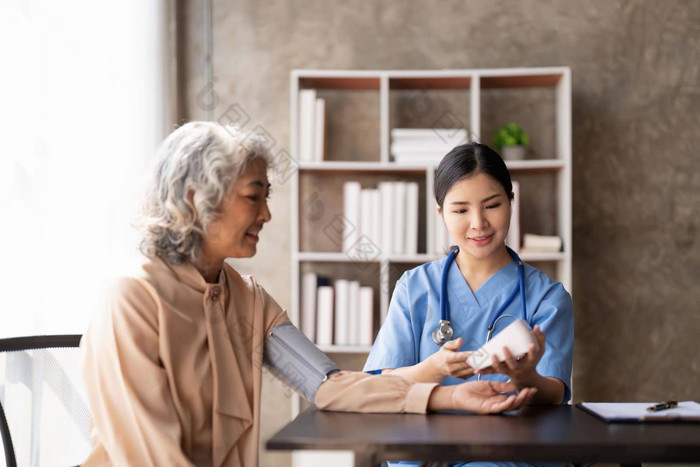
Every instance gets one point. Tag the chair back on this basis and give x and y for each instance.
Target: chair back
(44, 415)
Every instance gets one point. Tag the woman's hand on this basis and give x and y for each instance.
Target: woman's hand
(480, 397)
(522, 372)
(448, 361)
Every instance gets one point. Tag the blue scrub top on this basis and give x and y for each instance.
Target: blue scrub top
(405, 338)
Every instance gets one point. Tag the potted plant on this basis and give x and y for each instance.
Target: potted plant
(511, 141)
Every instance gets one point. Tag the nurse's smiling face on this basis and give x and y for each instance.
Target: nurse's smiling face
(476, 212)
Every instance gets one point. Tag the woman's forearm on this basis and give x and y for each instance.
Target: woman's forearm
(441, 399)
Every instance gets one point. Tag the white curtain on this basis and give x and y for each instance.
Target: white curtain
(84, 103)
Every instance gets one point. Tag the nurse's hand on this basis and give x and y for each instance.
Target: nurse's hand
(522, 372)
(480, 397)
(448, 361)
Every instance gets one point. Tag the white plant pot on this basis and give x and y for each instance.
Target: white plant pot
(514, 153)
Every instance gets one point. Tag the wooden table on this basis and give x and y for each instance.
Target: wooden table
(551, 433)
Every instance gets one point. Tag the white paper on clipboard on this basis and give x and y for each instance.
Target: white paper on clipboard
(687, 411)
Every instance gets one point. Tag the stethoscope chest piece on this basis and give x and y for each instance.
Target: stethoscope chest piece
(443, 333)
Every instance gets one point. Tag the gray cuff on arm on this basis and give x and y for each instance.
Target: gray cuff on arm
(297, 360)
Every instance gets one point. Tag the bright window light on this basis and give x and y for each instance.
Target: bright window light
(84, 106)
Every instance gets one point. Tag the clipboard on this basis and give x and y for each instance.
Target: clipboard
(636, 412)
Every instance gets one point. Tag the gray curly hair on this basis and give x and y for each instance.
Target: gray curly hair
(195, 167)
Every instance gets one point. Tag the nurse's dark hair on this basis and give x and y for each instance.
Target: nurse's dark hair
(464, 162)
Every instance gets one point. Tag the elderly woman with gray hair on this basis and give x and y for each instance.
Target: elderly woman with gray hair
(173, 360)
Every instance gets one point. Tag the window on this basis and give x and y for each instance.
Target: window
(85, 103)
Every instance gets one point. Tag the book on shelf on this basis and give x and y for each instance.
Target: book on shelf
(376, 218)
(513, 237)
(387, 201)
(344, 312)
(324, 315)
(421, 146)
(453, 136)
(309, 284)
(308, 305)
(319, 129)
(411, 230)
(351, 208)
(312, 123)
(541, 243)
(353, 318)
(399, 213)
(387, 216)
(341, 335)
(307, 121)
(366, 316)
(367, 213)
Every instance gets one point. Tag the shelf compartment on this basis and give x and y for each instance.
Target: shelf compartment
(534, 109)
(539, 210)
(352, 124)
(430, 103)
(367, 274)
(429, 108)
(321, 207)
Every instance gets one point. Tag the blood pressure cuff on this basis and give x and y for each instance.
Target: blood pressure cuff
(297, 360)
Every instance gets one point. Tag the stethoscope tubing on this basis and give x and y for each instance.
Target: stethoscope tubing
(445, 312)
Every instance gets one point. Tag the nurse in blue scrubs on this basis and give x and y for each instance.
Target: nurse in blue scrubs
(473, 190)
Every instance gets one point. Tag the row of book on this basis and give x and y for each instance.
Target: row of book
(312, 126)
(396, 232)
(383, 220)
(420, 146)
(341, 314)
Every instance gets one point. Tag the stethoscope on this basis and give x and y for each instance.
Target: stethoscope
(444, 332)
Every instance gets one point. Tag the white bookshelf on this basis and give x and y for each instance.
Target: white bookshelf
(471, 86)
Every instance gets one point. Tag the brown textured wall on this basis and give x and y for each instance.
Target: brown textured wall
(636, 93)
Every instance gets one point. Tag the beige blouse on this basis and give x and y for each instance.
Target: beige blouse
(173, 370)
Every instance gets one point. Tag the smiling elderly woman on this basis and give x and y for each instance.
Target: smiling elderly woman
(172, 361)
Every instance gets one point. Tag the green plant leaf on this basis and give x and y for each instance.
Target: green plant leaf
(510, 135)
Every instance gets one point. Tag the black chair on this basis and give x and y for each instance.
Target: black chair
(44, 415)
